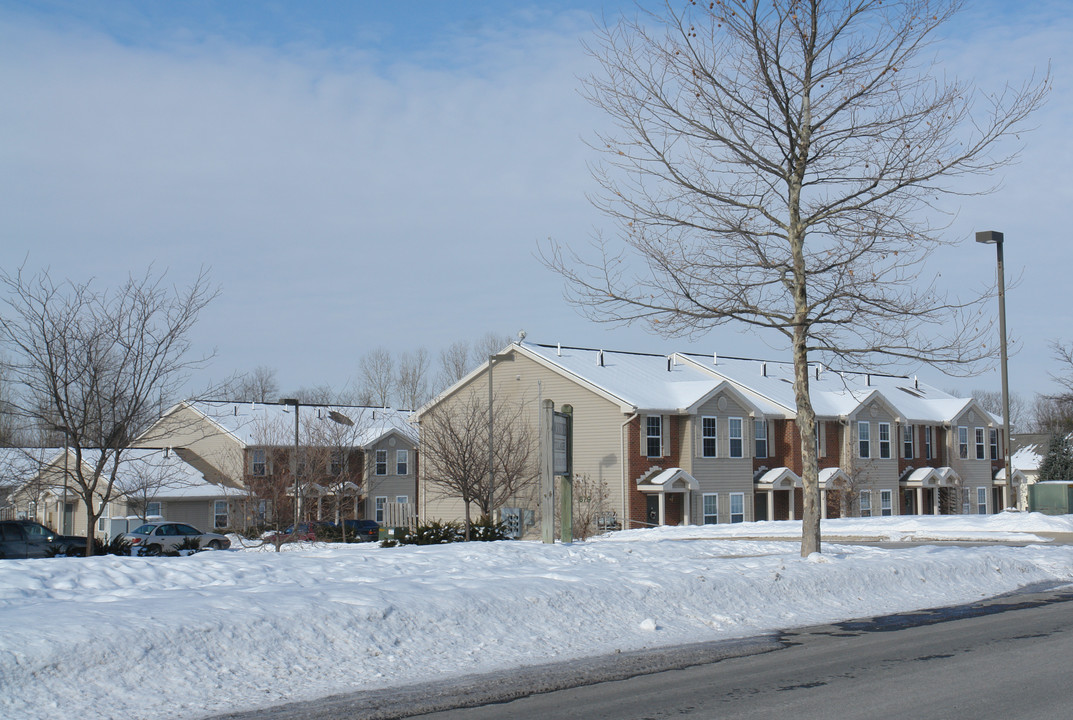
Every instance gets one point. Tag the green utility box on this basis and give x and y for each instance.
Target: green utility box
(390, 533)
(1052, 497)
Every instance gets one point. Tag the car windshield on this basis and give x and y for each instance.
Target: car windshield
(142, 530)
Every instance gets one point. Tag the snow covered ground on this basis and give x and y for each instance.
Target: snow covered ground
(186, 637)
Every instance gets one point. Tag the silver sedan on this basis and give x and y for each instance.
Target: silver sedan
(155, 538)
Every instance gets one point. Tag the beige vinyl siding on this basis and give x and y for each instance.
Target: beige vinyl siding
(186, 428)
(598, 431)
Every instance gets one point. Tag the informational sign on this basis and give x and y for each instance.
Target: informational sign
(561, 443)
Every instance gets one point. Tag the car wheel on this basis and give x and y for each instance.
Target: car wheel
(152, 550)
(214, 545)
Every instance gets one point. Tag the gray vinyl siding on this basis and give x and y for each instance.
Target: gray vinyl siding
(874, 473)
(722, 474)
(974, 473)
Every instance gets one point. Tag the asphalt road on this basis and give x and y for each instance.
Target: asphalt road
(1006, 658)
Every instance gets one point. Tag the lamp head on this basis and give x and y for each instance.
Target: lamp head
(989, 237)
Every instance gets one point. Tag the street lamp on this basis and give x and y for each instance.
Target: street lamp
(294, 460)
(492, 360)
(341, 419)
(64, 529)
(991, 237)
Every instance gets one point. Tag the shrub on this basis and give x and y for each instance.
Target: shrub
(439, 533)
(117, 546)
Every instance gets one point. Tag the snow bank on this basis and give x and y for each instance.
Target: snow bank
(182, 637)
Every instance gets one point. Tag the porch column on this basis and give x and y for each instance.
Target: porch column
(791, 493)
(771, 504)
(1006, 494)
(920, 501)
(687, 506)
(662, 509)
(823, 503)
(935, 500)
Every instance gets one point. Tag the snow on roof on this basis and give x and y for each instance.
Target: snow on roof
(161, 474)
(252, 423)
(18, 465)
(674, 383)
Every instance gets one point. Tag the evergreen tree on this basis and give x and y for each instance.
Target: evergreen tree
(1058, 463)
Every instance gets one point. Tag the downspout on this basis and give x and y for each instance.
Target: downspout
(625, 469)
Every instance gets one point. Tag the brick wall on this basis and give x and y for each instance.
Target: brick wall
(638, 464)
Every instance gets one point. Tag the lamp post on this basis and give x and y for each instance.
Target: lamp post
(64, 530)
(294, 461)
(341, 419)
(991, 237)
(492, 360)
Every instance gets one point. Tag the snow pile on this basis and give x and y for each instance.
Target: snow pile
(181, 637)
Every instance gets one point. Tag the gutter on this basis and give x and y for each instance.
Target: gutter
(625, 469)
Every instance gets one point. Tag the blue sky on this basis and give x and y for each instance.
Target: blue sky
(379, 173)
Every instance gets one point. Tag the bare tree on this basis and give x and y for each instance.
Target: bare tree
(772, 167)
(991, 400)
(145, 474)
(377, 372)
(95, 364)
(260, 385)
(1052, 414)
(454, 364)
(454, 445)
(411, 382)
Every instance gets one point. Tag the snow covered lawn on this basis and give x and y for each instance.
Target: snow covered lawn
(184, 637)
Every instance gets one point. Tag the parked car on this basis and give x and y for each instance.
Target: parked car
(155, 538)
(364, 530)
(28, 539)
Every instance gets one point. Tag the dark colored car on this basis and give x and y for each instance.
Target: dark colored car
(28, 539)
(364, 530)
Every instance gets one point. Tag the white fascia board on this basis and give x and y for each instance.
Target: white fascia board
(877, 394)
(790, 413)
(725, 385)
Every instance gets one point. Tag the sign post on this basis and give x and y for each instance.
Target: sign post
(562, 451)
(547, 476)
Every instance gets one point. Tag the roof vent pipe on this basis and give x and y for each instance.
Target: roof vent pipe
(817, 372)
(868, 380)
(763, 369)
(715, 358)
(558, 349)
(916, 383)
(670, 362)
(236, 411)
(600, 358)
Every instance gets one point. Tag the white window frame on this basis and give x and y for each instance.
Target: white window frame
(760, 435)
(402, 499)
(402, 462)
(908, 449)
(928, 437)
(149, 509)
(335, 463)
(254, 462)
(886, 503)
(739, 500)
(709, 423)
(981, 447)
(381, 462)
(709, 518)
(653, 422)
(963, 442)
(981, 501)
(732, 438)
(994, 443)
(379, 503)
(864, 440)
(865, 503)
(884, 441)
(217, 514)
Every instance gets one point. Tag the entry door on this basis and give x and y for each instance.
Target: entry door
(652, 509)
(68, 518)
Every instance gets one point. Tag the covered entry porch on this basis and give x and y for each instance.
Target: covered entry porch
(779, 493)
(667, 496)
(930, 491)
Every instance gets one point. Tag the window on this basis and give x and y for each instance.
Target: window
(994, 444)
(402, 462)
(707, 439)
(381, 503)
(402, 499)
(654, 435)
(261, 512)
(907, 442)
(980, 444)
(336, 466)
(884, 440)
(381, 462)
(735, 437)
(711, 508)
(864, 439)
(886, 502)
(219, 514)
(258, 463)
(981, 501)
(927, 442)
(963, 442)
(866, 503)
(737, 507)
(760, 436)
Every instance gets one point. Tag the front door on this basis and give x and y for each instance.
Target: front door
(652, 509)
(68, 518)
